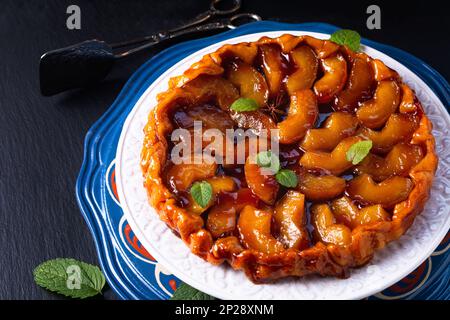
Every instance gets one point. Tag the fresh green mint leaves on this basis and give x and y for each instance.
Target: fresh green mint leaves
(70, 277)
(186, 292)
(266, 159)
(285, 177)
(358, 151)
(201, 192)
(244, 104)
(348, 38)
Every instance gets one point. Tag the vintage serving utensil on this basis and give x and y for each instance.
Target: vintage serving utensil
(89, 62)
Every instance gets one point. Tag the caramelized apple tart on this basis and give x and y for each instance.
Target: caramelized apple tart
(321, 100)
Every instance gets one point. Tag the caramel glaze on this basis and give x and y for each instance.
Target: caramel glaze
(276, 65)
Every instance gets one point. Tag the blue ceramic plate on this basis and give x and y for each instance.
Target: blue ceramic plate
(130, 270)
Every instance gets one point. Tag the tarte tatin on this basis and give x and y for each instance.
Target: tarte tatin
(323, 98)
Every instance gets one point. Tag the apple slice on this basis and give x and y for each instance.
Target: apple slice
(272, 61)
(180, 176)
(222, 217)
(254, 228)
(205, 87)
(338, 126)
(382, 72)
(289, 217)
(256, 120)
(408, 103)
(399, 128)
(302, 115)
(306, 73)
(398, 162)
(323, 48)
(387, 193)
(210, 116)
(375, 112)
(326, 229)
(334, 162)
(263, 185)
(359, 85)
(218, 185)
(221, 221)
(320, 188)
(346, 212)
(333, 80)
(250, 82)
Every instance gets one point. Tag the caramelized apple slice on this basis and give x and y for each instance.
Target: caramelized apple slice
(382, 72)
(399, 128)
(346, 212)
(222, 217)
(256, 120)
(386, 193)
(359, 85)
(273, 67)
(210, 117)
(180, 176)
(218, 185)
(263, 185)
(338, 126)
(323, 48)
(333, 80)
(221, 221)
(335, 162)
(289, 218)
(254, 229)
(302, 115)
(205, 87)
(306, 73)
(398, 162)
(375, 112)
(408, 103)
(326, 229)
(320, 188)
(250, 82)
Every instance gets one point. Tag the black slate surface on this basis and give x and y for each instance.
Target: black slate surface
(41, 138)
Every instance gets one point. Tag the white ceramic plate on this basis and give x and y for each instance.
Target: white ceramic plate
(389, 265)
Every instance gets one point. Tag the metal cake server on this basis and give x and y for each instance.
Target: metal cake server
(89, 62)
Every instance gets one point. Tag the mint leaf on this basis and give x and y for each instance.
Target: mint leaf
(244, 104)
(348, 38)
(287, 178)
(186, 292)
(201, 193)
(358, 151)
(70, 277)
(266, 159)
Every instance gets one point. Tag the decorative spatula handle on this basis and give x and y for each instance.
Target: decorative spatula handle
(87, 63)
(76, 66)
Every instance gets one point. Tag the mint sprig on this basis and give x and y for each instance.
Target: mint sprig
(70, 277)
(358, 151)
(201, 192)
(244, 104)
(266, 159)
(348, 38)
(186, 292)
(287, 178)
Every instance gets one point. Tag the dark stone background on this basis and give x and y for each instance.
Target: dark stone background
(42, 138)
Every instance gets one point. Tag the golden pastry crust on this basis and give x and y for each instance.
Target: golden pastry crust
(322, 258)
